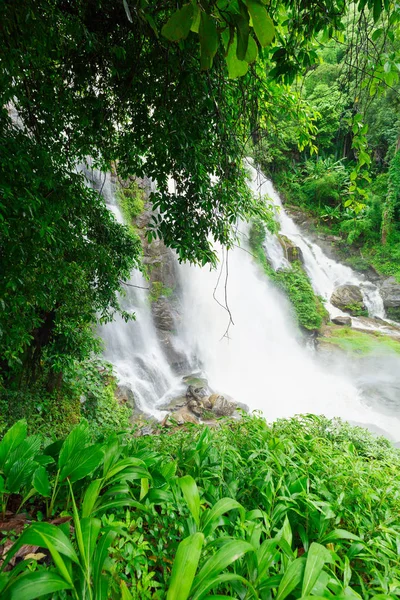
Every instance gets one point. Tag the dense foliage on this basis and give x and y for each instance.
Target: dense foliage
(160, 89)
(351, 181)
(293, 281)
(306, 508)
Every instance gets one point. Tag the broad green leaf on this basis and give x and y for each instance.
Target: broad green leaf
(227, 554)
(191, 494)
(75, 444)
(36, 585)
(236, 68)
(185, 567)
(41, 482)
(292, 578)
(212, 515)
(242, 34)
(19, 475)
(90, 497)
(90, 531)
(178, 25)
(122, 465)
(252, 51)
(208, 41)
(13, 438)
(39, 534)
(196, 19)
(340, 534)
(262, 22)
(82, 464)
(100, 556)
(317, 556)
(209, 584)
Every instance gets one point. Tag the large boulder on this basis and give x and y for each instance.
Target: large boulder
(349, 298)
(390, 292)
(292, 252)
(344, 321)
(221, 406)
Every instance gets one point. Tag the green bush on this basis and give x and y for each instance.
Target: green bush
(304, 508)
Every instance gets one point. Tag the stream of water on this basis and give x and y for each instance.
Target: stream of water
(260, 358)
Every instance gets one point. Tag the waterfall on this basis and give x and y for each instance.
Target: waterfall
(133, 347)
(259, 359)
(325, 274)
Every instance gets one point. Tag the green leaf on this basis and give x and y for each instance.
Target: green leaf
(252, 51)
(208, 41)
(236, 68)
(100, 556)
(75, 443)
(37, 585)
(90, 497)
(291, 578)
(90, 531)
(178, 25)
(227, 554)
(82, 464)
(211, 517)
(41, 482)
(340, 534)
(317, 556)
(196, 19)
(13, 438)
(185, 567)
(125, 593)
(191, 494)
(242, 32)
(43, 534)
(377, 10)
(262, 22)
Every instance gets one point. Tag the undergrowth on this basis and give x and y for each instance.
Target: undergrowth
(305, 508)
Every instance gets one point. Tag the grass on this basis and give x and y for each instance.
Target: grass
(358, 342)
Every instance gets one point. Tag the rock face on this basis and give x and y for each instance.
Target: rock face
(199, 405)
(345, 321)
(390, 292)
(164, 282)
(349, 298)
(292, 252)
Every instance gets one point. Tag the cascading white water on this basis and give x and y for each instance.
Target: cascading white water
(260, 361)
(325, 274)
(133, 347)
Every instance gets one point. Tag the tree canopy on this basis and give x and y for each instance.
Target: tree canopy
(157, 89)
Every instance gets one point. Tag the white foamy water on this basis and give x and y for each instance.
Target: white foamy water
(261, 360)
(325, 274)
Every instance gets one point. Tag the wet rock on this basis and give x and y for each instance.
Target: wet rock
(349, 298)
(196, 393)
(390, 292)
(345, 321)
(292, 252)
(221, 406)
(180, 417)
(195, 379)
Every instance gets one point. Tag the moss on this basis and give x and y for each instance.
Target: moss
(131, 201)
(158, 289)
(357, 310)
(309, 308)
(359, 342)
